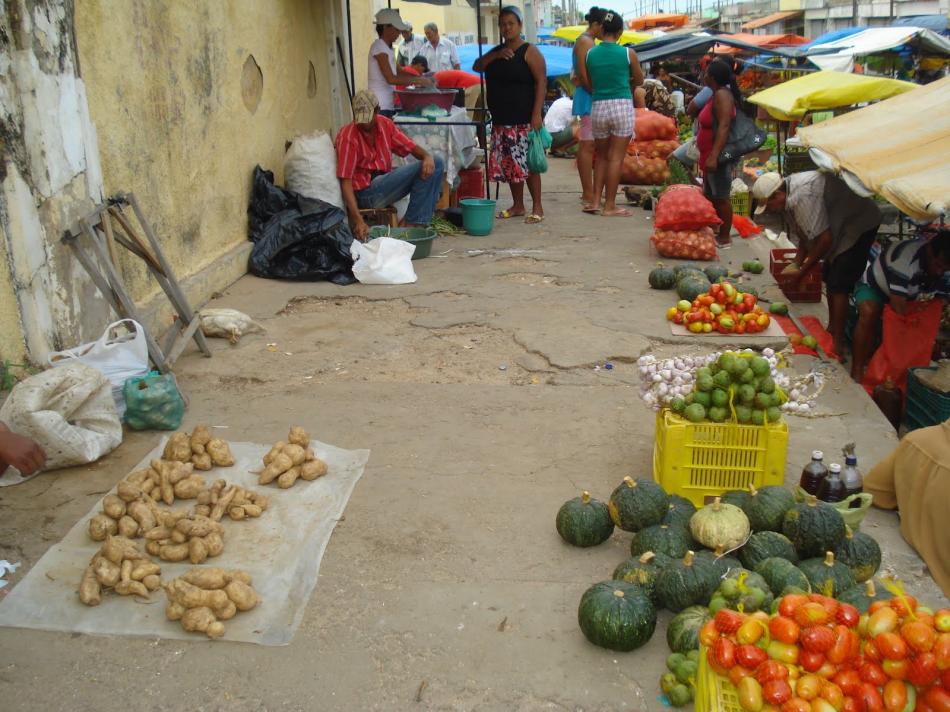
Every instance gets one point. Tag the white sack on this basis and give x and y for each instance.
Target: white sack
(310, 168)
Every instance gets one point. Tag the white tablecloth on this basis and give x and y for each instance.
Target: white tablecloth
(456, 145)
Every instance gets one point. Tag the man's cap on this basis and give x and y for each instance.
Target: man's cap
(388, 16)
(365, 104)
(408, 26)
(764, 186)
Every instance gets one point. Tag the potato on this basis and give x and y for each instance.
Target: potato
(200, 437)
(158, 533)
(261, 501)
(204, 497)
(252, 510)
(101, 526)
(128, 527)
(178, 448)
(178, 471)
(208, 578)
(220, 452)
(152, 582)
(313, 469)
(117, 548)
(143, 569)
(143, 515)
(112, 506)
(179, 537)
(215, 543)
(90, 592)
(197, 551)
(191, 596)
(240, 575)
(224, 501)
(236, 513)
(202, 619)
(202, 510)
(296, 454)
(287, 479)
(154, 548)
(107, 573)
(298, 436)
(131, 588)
(197, 526)
(128, 492)
(202, 461)
(277, 467)
(242, 594)
(190, 487)
(173, 552)
(148, 487)
(174, 611)
(126, 570)
(139, 477)
(274, 452)
(227, 612)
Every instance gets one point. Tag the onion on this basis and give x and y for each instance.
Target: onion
(666, 374)
(768, 353)
(679, 365)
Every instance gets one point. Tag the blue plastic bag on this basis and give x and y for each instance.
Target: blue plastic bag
(153, 402)
(538, 143)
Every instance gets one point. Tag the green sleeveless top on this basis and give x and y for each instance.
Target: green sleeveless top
(609, 67)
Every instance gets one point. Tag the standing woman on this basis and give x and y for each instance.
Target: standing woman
(715, 120)
(582, 103)
(613, 70)
(515, 78)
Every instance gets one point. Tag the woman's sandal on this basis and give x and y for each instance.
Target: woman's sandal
(534, 219)
(617, 213)
(590, 209)
(506, 214)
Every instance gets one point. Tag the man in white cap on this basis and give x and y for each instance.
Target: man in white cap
(410, 47)
(832, 224)
(383, 74)
(364, 165)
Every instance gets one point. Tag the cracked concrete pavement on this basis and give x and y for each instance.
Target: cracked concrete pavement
(482, 393)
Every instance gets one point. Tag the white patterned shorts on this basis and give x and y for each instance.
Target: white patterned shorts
(612, 117)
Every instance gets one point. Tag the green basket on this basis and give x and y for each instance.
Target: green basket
(853, 516)
(741, 203)
(925, 406)
(421, 237)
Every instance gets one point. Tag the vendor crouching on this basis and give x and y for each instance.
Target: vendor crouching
(364, 165)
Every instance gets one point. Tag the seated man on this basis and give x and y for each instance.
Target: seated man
(907, 271)
(364, 165)
(23, 453)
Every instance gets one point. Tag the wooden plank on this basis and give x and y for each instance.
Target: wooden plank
(182, 340)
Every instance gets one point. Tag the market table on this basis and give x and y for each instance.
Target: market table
(456, 144)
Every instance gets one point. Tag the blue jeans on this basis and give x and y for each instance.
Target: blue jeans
(423, 194)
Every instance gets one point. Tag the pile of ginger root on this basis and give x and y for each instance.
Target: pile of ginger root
(290, 460)
(121, 566)
(202, 598)
(198, 448)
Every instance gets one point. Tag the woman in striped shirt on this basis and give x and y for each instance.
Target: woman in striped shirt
(907, 271)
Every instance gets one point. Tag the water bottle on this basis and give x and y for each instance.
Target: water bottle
(832, 487)
(814, 473)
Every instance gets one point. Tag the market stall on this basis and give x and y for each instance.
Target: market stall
(450, 137)
(840, 53)
(572, 32)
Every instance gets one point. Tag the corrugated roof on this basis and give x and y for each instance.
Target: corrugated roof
(769, 19)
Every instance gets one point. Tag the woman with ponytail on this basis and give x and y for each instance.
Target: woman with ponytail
(715, 120)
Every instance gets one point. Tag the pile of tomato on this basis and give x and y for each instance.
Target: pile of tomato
(724, 309)
(819, 655)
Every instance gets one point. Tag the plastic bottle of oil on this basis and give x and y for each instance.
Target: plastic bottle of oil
(832, 488)
(814, 473)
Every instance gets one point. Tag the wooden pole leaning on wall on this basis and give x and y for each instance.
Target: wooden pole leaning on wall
(95, 243)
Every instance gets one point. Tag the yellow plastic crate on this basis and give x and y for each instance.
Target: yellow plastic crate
(700, 461)
(741, 203)
(714, 693)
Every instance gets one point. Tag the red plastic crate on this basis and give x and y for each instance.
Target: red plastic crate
(808, 290)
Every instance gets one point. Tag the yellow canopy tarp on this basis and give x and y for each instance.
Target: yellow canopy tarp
(572, 32)
(825, 90)
(897, 148)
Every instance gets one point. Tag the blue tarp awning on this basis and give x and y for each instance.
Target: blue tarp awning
(832, 36)
(557, 59)
(934, 23)
(699, 43)
(545, 32)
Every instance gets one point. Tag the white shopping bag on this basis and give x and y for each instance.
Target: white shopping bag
(384, 260)
(120, 354)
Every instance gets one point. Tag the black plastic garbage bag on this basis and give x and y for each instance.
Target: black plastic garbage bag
(296, 237)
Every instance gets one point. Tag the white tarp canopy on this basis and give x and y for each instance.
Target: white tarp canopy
(873, 40)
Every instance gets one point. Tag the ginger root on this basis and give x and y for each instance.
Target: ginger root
(286, 462)
(202, 598)
(118, 565)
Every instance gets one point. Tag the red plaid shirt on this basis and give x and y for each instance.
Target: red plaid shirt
(358, 160)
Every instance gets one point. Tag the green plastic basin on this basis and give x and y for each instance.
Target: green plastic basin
(421, 237)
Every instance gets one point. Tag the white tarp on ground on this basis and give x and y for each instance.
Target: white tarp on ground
(873, 40)
(281, 551)
(897, 148)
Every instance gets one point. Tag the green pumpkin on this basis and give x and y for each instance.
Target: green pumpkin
(680, 511)
(763, 545)
(661, 278)
(860, 553)
(643, 570)
(689, 582)
(861, 596)
(737, 498)
(813, 527)
(674, 541)
(780, 574)
(827, 576)
(682, 634)
(637, 504)
(719, 524)
(766, 507)
(583, 521)
(691, 286)
(720, 561)
(616, 615)
(715, 272)
(682, 270)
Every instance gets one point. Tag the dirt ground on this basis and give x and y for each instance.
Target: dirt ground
(484, 394)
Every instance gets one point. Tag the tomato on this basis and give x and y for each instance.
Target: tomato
(937, 699)
(847, 615)
(848, 680)
(822, 705)
(850, 705)
(873, 673)
(941, 651)
(727, 324)
(715, 290)
(708, 634)
(750, 694)
(817, 639)
(869, 650)
(776, 692)
(796, 704)
(707, 328)
(891, 646)
(789, 603)
(784, 629)
(883, 620)
(896, 669)
(740, 328)
(751, 631)
(827, 671)
(750, 656)
(812, 613)
(876, 606)
(945, 679)
(728, 621)
(706, 300)
(811, 660)
(678, 318)
(808, 686)
(771, 670)
(738, 673)
(724, 653)
(894, 695)
(923, 670)
(904, 604)
(942, 620)
(829, 603)
(869, 699)
(763, 320)
(671, 312)
(783, 652)
(846, 645)
(832, 694)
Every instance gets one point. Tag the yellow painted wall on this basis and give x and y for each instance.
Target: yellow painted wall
(164, 84)
(12, 346)
(362, 13)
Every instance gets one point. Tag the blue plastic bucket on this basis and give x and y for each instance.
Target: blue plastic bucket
(478, 216)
